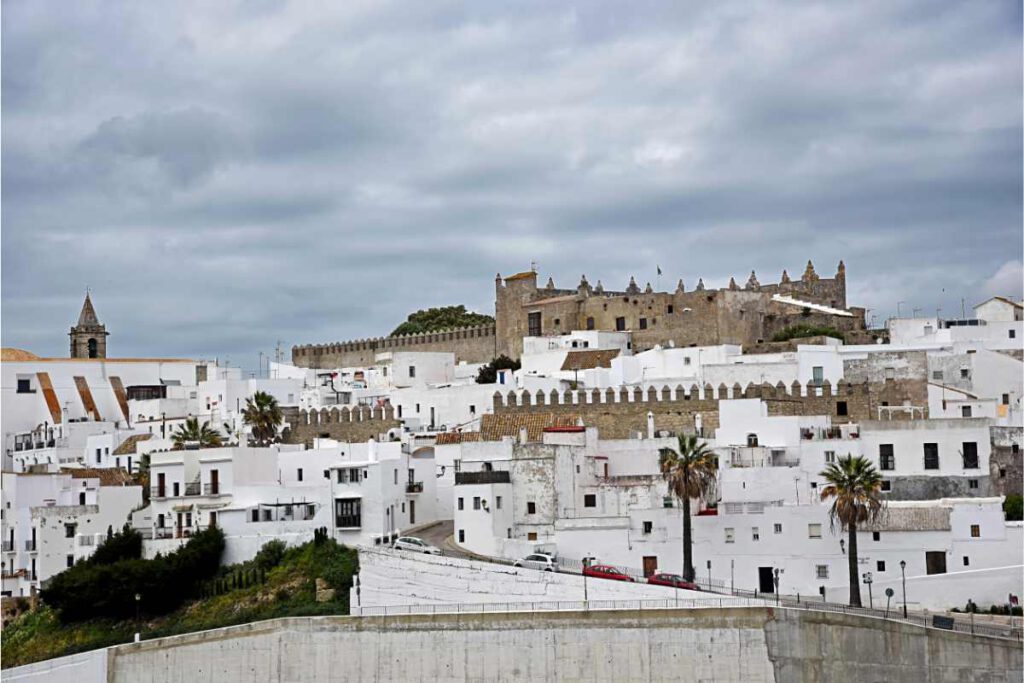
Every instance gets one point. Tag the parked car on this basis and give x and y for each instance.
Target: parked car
(673, 580)
(604, 571)
(541, 561)
(414, 544)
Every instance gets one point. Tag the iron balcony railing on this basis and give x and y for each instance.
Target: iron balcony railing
(8, 546)
(414, 487)
(30, 546)
(211, 489)
(193, 488)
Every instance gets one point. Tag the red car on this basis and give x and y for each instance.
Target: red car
(673, 580)
(603, 571)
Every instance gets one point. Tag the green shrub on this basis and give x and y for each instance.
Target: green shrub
(488, 374)
(800, 331)
(1013, 507)
(124, 545)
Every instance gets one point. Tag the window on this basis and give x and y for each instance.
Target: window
(590, 323)
(670, 309)
(472, 410)
(70, 560)
(1006, 399)
(298, 474)
(886, 458)
(965, 411)
(531, 536)
(886, 485)
(830, 457)
(970, 452)
(462, 535)
(813, 531)
(531, 508)
(399, 411)
(1013, 334)
(396, 476)
(880, 566)
(972, 483)
(967, 561)
(751, 440)
(176, 489)
(476, 502)
(755, 534)
(964, 373)
(686, 360)
(533, 324)
(69, 530)
(937, 374)
(643, 323)
(558, 321)
(975, 531)
(648, 527)
(818, 374)
(842, 409)
(462, 504)
(730, 535)
(590, 500)
(497, 502)
(620, 324)
(348, 512)
(821, 571)
(778, 528)
(417, 408)
(890, 373)
(931, 456)
(876, 535)
(412, 371)
(25, 386)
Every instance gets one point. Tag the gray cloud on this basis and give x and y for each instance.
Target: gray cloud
(224, 176)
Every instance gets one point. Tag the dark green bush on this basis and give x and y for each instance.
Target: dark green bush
(1013, 507)
(124, 545)
(800, 331)
(488, 374)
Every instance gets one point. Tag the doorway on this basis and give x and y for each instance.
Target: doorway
(935, 561)
(650, 565)
(766, 579)
(412, 512)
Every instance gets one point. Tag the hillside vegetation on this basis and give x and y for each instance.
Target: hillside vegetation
(279, 582)
(443, 318)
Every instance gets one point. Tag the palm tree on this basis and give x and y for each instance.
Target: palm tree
(690, 473)
(264, 416)
(855, 487)
(191, 432)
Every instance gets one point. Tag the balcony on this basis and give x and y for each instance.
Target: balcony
(414, 487)
(8, 546)
(193, 488)
(157, 492)
(86, 541)
(211, 489)
(485, 477)
(30, 546)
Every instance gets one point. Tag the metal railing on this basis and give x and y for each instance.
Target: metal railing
(483, 477)
(8, 546)
(414, 487)
(30, 546)
(193, 488)
(211, 489)
(157, 492)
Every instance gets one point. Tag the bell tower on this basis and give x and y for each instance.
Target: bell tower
(88, 337)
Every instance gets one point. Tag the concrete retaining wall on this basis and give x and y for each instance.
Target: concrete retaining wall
(749, 644)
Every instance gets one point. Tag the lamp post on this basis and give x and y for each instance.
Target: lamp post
(903, 573)
(138, 624)
(868, 580)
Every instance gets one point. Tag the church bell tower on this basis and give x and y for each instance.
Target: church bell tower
(88, 337)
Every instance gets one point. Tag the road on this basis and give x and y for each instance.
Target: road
(441, 535)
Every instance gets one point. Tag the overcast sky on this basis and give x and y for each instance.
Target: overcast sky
(225, 175)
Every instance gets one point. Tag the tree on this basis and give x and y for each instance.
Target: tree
(488, 374)
(443, 318)
(1013, 507)
(690, 473)
(191, 432)
(855, 489)
(264, 416)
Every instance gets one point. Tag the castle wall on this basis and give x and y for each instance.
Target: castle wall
(353, 425)
(469, 344)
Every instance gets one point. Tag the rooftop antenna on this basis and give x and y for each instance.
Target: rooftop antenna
(533, 266)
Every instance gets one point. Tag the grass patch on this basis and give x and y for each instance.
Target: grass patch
(287, 589)
(800, 331)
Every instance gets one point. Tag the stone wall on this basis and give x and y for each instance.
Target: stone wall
(1006, 464)
(933, 488)
(469, 344)
(618, 414)
(352, 425)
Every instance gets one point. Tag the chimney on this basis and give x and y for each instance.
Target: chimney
(650, 424)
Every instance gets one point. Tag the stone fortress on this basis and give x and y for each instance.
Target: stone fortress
(747, 315)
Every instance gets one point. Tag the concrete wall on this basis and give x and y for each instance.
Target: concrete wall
(749, 644)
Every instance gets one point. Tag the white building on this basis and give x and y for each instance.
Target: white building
(52, 520)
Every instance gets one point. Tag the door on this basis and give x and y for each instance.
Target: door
(214, 482)
(935, 561)
(412, 512)
(160, 485)
(650, 565)
(765, 579)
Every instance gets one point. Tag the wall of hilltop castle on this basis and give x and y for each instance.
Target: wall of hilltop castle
(469, 344)
(620, 414)
(699, 317)
(350, 425)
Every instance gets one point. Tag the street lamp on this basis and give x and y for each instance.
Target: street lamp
(138, 624)
(775, 577)
(903, 573)
(868, 580)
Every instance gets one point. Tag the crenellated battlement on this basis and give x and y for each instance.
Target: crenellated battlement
(362, 351)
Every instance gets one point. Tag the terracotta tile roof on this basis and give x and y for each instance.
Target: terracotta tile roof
(494, 427)
(586, 360)
(127, 446)
(108, 476)
(446, 438)
(14, 355)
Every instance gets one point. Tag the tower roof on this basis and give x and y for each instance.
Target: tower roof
(88, 315)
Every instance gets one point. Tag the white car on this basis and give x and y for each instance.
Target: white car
(541, 561)
(414, 544)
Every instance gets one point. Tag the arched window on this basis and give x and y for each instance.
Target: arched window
(92, 348)
(752, 440)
